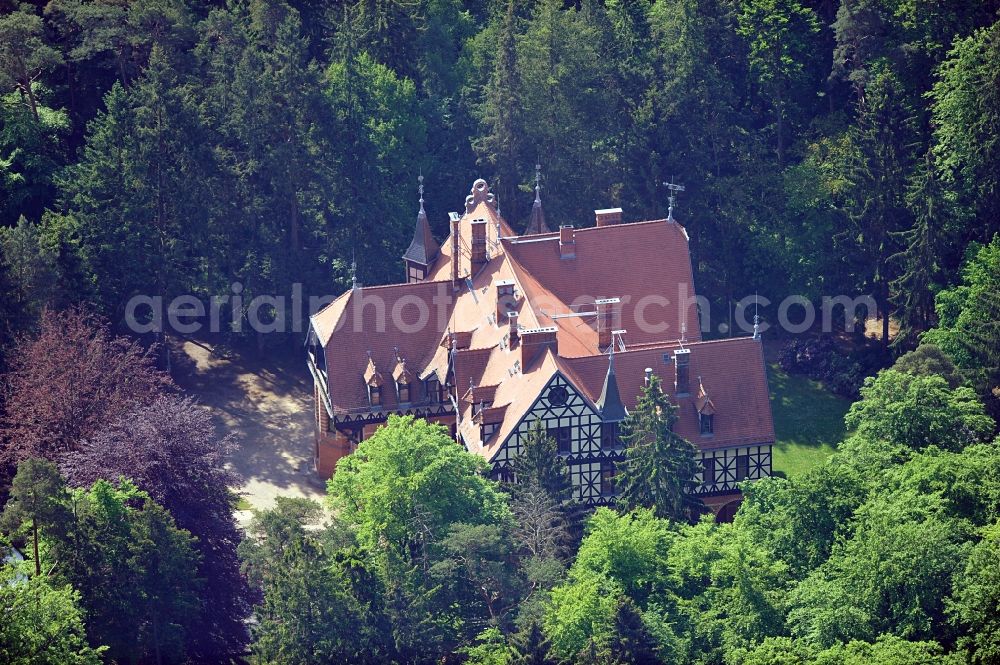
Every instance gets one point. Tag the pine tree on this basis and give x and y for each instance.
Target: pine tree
(38, 499)
(630, 641)
(499, 113)
(660, 466)
(530, 646)
(539, 463)
(884, 144)
(920, 260)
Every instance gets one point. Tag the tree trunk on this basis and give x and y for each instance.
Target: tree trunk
(29, 93)
(34, 544)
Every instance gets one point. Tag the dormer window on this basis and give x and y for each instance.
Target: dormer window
(486, 430)
(707, 423)
(373, 382)
(403, 378)
(706, 411)
(433, 388)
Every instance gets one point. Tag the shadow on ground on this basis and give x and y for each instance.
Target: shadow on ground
(267, 403)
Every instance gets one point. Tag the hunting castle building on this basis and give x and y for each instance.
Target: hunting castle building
(493, 330)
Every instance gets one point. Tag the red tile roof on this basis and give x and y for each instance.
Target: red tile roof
(731, 370)
(644, 264)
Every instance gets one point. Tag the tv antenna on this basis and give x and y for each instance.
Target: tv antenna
(673, 187)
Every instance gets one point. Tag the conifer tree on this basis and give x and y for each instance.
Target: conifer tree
(530, 646)
(913, 289)
(660, 466)
(539, 463)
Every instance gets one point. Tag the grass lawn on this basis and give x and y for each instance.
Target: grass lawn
(808, 421)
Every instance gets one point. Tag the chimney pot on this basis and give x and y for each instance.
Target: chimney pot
(608, 216)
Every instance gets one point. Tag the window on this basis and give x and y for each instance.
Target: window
(486, 430)
(375, 395)
(742, 467)
(564, 439)
(608, 472)
(610, 436)
(708, 471)
(403, 389)
(433, 390)
(503, 474)
(415, 274)
(558, 395)
(707, 422)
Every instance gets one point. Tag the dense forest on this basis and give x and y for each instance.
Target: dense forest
(167, 147)
(164, 147)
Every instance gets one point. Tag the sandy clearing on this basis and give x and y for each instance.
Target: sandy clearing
(267, 403)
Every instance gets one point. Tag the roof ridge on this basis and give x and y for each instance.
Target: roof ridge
(406, 284)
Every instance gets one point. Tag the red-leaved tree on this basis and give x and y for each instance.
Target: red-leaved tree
(68, 381)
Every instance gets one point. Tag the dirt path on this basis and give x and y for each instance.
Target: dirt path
(268, 405)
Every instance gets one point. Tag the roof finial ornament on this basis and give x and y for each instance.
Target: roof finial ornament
(536, 223)
(354, 275)
(420, 188)
(756, 318)
(673, 188)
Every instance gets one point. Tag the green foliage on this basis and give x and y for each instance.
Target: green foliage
(968, 314)
(966, 111)
(918, 411)
(976, 597)
(135, 571)
(660, 466)
(867, 587)
(929, 360)
(405, 485)
(43, 624)
(310, 612)
(540, 464)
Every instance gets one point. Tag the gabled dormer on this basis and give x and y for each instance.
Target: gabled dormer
(373, 381)
(706, 411)
(403, 379)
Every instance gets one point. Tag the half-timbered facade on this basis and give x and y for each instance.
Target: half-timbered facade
(491, 331)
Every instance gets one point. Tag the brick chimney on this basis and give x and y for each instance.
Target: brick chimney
(534, 341)
(608, 216)
(455, 255)
(567, 242)
(513, 334)
(607, 316)
(506, 302)
(479, 257)
(682, 371)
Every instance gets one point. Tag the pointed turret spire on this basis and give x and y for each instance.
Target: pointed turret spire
(536, 223)
(423, 248)
(610, 402)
